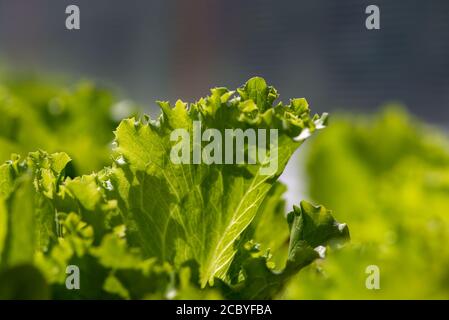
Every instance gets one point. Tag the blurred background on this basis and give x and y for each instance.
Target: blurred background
(178, 49)
(382, 165)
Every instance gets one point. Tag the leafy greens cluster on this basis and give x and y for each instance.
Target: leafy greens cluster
(145, 227)
(47, 115)
(395, 170)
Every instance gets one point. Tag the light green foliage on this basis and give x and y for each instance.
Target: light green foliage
(45, 115)
(145, 227)
(388, 177)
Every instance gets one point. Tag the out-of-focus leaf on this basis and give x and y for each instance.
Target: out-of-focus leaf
(23, 282)
(387, 175)
(42, 114)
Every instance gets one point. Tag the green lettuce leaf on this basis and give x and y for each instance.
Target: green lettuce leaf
(311, 229)
(198, 211)
(26, 210)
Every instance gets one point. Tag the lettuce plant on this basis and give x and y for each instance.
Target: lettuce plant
(78, 119)
(395, 171)
(145, 227)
